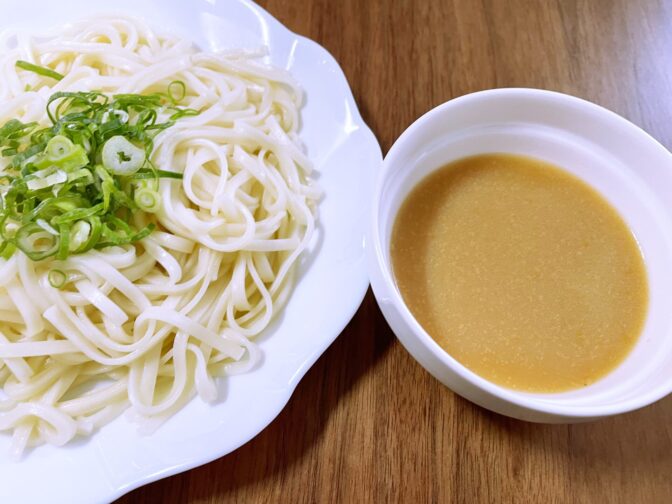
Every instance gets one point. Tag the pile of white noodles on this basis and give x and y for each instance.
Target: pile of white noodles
(149, 326)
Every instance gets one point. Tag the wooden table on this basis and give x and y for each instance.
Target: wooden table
(367, 423)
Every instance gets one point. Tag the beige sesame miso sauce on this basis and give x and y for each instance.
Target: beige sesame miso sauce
(521, 272)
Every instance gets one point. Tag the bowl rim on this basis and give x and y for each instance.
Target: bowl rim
(391, 293)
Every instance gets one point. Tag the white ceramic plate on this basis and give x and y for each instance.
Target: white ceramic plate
(332, 282)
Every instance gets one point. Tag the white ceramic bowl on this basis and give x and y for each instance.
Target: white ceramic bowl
(631, 169)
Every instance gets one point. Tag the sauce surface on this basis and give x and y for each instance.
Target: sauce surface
(520, 271)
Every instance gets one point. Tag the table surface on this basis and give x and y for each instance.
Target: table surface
(367, 423)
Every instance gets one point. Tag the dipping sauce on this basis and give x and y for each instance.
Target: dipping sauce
(521, 272)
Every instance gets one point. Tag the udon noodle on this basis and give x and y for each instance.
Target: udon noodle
(149, 326)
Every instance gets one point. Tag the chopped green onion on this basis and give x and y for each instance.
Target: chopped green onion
(55, 177)
(57, 278)
(46, 72)
(75, 160)
(147, 200)
(35, 242)
(152, 174)
(80, 174)
(46, 226)
(146, 231)
(58, 148)
(64, 242)
(40, 174)
(57, 199)
(111, 115)
(16, 129)
(85, 235)
(187, 112)
(121, 157)
(78, 213)
(25, 156)
(79, 234)
(8, 249)
(176, 91)
(61, 152)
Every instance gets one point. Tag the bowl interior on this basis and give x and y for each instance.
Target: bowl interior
(630, 169)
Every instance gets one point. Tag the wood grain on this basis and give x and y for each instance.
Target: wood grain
(367, 423)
